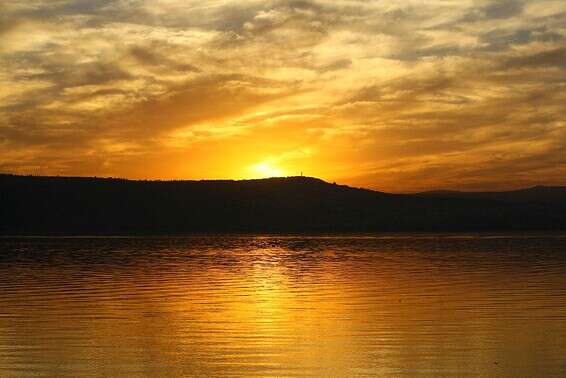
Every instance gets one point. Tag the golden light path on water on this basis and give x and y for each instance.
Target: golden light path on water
(283, 306)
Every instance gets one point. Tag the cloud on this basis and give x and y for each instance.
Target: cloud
(496, 9)
(392, 95)
(146, 56)
(550, 58)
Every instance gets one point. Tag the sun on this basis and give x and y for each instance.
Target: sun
(267, 169)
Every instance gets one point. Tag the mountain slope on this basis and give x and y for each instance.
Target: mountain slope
(540, 194)
(71, 205)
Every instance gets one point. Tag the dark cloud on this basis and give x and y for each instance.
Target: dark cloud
(503, 9)
(151, 58)
(498, 40)
(551, 58)
(495, 9)
(86, 74)
(9, 24)
(54, 11)
(336, 65)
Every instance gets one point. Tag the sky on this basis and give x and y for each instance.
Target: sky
(399, 96)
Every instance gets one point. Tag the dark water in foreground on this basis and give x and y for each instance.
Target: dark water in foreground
(280, 306)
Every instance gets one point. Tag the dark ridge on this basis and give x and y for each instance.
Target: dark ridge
(33, 205)
(539, 193)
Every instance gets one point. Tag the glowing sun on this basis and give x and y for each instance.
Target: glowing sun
(267, 169)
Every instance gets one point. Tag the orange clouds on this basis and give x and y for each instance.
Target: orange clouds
(395, 96)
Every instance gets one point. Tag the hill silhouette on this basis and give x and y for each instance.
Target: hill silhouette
(77, 205)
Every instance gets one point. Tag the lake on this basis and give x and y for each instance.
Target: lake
(386, 305)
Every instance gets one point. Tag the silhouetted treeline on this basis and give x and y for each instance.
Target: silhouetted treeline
(73, 205)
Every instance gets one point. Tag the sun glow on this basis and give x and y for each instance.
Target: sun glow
(266, 169)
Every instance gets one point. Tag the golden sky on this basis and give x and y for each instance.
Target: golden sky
(393, 95)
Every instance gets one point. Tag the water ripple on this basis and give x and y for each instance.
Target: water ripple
(388, 305)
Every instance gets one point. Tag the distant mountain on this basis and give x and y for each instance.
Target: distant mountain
(540, 194)
(74, 205)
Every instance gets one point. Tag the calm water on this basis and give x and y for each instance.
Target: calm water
(283, 306)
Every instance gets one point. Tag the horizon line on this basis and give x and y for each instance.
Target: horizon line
(276, 177)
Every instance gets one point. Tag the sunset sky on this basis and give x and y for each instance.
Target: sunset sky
(392, 95)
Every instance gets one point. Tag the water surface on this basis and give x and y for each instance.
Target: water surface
(400, 305)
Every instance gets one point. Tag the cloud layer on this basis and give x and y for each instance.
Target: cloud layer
(398, 96)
